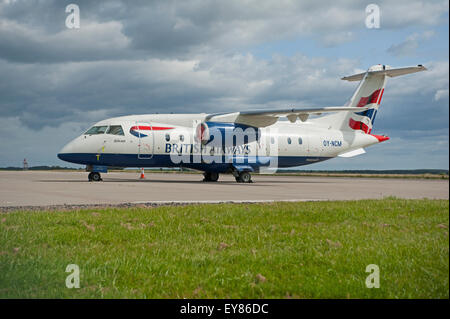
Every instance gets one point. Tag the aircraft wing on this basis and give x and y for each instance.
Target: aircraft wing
(264, 118)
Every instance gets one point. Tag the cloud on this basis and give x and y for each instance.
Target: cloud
(38, 147)
(93, 42)
(193, 56)
(409, 102)
(441, 94)
(409, 46)
(48, 94)
(334, 39)
(182, 30)
(404, 13)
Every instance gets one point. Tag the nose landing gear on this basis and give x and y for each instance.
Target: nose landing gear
(94, 177)
(244, 177)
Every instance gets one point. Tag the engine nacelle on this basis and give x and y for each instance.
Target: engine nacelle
(226, 134)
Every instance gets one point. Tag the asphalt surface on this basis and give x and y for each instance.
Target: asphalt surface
(45, 188)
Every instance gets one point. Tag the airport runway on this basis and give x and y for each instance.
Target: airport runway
(43, 188)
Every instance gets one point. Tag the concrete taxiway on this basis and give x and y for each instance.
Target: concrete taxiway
(45, 188)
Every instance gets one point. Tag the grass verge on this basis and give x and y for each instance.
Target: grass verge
(279, 250)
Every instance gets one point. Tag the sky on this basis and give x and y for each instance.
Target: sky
(192, 56)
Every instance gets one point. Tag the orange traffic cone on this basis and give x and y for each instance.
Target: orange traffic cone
(142, 174)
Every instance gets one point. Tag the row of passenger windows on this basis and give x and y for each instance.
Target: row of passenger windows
(117, 130)
(272, 139)
(112, 129)
(299, 140)
(168, 138)
(289, 140)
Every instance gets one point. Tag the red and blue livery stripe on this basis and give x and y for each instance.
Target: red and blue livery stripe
(136, 130)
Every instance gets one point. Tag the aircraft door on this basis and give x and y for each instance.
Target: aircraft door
(263, 144)
(303, 143)
(146, 139)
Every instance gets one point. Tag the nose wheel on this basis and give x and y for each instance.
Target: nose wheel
(94, 177)
(244, 177)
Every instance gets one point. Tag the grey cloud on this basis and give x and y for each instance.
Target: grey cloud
(441, 94)
(45, 95)
(334, 39)
(92, 42)
(409, 46)
(38, 147)
(409, 104)
(34, 31)
(404, 13)
(167, 56)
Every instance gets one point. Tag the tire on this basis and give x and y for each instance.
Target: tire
(90, 177)
(96, 177)
(245, 177)
(211, 177)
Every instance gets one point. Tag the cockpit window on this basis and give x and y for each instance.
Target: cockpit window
(96, 130)
(115, 130)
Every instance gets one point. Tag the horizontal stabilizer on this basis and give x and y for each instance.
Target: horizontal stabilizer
(353, 153)
(389, 72)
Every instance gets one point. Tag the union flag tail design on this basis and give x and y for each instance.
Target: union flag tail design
(364, 120)
(368, 95)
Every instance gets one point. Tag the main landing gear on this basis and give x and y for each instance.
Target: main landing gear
(244, 177)
(210, 176)
(94, 177)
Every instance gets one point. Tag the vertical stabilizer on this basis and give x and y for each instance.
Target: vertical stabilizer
(368, 94)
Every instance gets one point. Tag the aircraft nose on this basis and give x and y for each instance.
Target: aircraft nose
(62, 156)
(68, 149)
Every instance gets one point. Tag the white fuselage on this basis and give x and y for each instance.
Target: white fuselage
(238, 142)
(169, 140)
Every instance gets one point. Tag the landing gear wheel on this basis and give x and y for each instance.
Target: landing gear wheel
(244, 177)
(210, 177)
(94, 177)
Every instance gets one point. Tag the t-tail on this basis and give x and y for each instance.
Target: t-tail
(368, 95)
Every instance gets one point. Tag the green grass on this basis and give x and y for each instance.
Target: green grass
(280, 250)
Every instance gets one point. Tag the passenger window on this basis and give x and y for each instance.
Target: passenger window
(115, 130)
(272, 140)
(300, 141)
(181, 138)
(167, 137)
(96, 130)
(289, 140)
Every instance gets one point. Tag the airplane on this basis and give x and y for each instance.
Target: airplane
(239, 143)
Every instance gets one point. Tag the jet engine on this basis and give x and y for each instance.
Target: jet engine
(226, 134)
